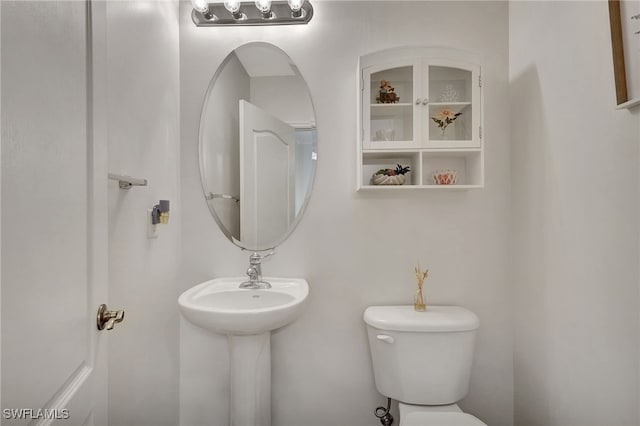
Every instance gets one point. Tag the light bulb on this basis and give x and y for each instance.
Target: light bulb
(200, 5)
(295, 5)
(232, 6)
(264, 6)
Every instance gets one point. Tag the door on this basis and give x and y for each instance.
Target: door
(451, 118)
(54, 235)
(267, 177)
(390, 102)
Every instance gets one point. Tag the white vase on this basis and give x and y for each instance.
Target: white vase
(388, 180)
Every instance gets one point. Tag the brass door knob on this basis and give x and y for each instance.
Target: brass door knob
(107, 319)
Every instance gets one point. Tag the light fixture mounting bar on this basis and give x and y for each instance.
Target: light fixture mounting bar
(280, 15)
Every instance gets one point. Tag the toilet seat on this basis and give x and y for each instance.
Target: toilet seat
(440, 419)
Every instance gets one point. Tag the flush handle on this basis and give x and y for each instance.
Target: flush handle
(385, 338)
(106, 319)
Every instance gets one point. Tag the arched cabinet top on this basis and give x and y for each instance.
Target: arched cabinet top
(432, 53)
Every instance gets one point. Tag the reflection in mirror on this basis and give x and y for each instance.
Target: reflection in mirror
(257, 146)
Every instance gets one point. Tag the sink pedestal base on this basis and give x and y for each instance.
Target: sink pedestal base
(246, 317)
(250, 362)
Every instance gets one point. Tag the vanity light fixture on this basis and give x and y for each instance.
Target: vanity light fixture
(255, 12)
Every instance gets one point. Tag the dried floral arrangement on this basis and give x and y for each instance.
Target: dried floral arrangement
(418, 302)
(444, 117)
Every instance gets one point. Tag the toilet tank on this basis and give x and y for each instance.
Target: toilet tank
(422, 358)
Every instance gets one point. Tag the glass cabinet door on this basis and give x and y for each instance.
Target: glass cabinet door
(389, 116)
(451, 117)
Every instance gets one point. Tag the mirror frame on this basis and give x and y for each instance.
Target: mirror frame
(212, 211)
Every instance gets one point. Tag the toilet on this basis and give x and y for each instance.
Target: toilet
(423, 360)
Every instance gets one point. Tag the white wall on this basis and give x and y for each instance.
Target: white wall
(143, 134)
(356, 249)
(285, 97)
(575, 220)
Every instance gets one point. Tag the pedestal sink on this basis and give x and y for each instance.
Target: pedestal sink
(247, 317)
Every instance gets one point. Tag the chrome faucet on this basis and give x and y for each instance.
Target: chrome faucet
(255, 272)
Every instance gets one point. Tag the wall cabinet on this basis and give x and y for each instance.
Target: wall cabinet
(421, 107)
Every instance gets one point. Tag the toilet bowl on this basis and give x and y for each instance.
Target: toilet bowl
(423, 360)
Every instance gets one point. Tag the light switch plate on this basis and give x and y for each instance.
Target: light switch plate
(152, 230)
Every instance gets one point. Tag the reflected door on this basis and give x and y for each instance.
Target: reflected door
(267, 176)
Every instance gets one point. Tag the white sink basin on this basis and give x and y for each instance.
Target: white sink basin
(221, 306)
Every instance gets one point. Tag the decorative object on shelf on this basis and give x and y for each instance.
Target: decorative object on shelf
(418, 301)
(258, 12)
(387, 93)
(449, 94)
(385, 134)
(444, 177)
(444, 117)
(391, 176)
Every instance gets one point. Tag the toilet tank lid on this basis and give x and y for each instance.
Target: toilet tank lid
(434, 319)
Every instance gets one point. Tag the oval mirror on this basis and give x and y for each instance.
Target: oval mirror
(257, 146)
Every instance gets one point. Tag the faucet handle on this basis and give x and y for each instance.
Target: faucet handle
(256, 258)
(271, 253)
(252, 273)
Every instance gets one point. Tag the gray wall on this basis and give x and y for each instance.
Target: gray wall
(575, 220)
(356, 249)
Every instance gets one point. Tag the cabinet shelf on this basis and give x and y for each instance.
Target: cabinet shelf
(374, 188)
(384, 110)
(404, 104)
(450, 104)
(452, 151)
(382, 154)
(424, 163)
